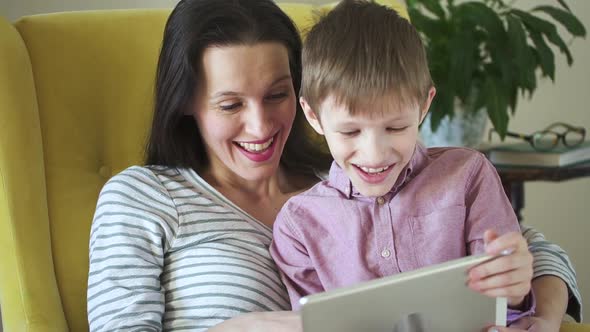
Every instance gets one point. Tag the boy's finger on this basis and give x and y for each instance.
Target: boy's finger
(516, 290)
(489, 236)
(511, 240)
(500, 265)
(500, 280)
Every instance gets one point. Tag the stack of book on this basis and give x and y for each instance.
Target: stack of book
(524, 155)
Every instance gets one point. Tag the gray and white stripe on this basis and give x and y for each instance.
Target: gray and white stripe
(168, 252)
(550, 259)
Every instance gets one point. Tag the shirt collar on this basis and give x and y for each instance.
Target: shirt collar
(338, 179)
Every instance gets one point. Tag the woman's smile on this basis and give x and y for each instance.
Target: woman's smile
(258, 151)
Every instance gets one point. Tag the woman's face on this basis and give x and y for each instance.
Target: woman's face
(245, 107)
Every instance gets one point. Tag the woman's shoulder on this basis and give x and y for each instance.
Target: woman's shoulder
(152, 176)
(141, 184)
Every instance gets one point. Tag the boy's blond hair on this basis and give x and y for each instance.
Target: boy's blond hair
(361, 51)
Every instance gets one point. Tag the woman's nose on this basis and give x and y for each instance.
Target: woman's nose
(257, 120)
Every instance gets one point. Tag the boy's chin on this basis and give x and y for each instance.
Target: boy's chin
(373, 191)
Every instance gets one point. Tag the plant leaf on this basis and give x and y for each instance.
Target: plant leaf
(564, 5)
(567, 19)
(434, 7)
(517, 45)
(513, 100)
(533, 59)
(478, 14)
(426, 25)
(535, 24)
(441, 106)
(546, 57)
(497, 106)
(462, 49)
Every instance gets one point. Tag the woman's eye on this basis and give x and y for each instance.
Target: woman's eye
(229, 107)
(277, 96)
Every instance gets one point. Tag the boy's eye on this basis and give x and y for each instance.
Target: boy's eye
(229, 107)
(396, 129)
(349, 133)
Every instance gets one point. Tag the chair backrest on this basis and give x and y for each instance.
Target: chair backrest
(76, 96)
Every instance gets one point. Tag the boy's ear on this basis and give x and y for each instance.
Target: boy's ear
(426, 105)
(311, 116)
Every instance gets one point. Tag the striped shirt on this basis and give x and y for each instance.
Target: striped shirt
(168, 252)
(550, 259)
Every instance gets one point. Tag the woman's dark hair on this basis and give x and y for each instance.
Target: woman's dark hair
(193, 26)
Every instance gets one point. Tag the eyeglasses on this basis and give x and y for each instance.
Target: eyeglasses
(549, 138)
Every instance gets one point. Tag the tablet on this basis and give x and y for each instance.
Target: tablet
(434, 298)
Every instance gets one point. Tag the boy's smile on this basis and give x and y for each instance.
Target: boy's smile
(371, 144)
(374, 175)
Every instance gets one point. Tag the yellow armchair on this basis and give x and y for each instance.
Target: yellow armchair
(75, 102)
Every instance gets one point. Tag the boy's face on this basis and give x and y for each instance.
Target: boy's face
(374, 146)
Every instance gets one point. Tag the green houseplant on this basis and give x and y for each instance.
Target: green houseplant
(486, 54)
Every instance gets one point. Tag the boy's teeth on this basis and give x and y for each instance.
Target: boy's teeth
(373, 170)
(256, 147)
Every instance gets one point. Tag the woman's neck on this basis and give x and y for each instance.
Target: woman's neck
(277, 184)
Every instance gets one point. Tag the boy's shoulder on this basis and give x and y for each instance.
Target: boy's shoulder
(322, 189)
(455, 155)
(456, 163)
(321, 195)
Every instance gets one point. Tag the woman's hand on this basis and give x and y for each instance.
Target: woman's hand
(272, 321)
(552, 295)
(508, 275)
(531, 324)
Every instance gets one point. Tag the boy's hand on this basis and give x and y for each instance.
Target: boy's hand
(508, 275)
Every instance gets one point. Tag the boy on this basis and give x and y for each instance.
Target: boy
(389, 205)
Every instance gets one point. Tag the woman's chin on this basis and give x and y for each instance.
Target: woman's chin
(260, 173)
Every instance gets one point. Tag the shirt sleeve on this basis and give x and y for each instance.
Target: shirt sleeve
(134, 222)
(489, 208)
(551, 259)
(295, 265)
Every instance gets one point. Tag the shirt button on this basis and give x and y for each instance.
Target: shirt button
(385, 253)
(380, 200)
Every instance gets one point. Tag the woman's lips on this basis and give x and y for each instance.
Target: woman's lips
(258, 151)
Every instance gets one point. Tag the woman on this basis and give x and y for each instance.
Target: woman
(183, 244)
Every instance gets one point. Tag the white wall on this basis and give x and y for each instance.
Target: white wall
(13, 9)
(560, 210)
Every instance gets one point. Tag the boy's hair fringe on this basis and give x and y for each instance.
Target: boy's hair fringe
(361, 51)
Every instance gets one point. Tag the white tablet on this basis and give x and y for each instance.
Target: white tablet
(433, 298)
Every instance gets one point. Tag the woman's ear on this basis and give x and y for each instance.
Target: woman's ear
(427, 103)
(311, 116)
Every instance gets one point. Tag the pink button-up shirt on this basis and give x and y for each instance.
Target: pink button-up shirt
(331, 236)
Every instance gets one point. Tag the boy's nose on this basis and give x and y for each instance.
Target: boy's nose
(375, 149)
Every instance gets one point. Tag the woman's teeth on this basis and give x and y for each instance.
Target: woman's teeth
(374, 170)
(251, 147)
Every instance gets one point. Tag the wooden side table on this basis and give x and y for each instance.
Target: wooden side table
(513, 179)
